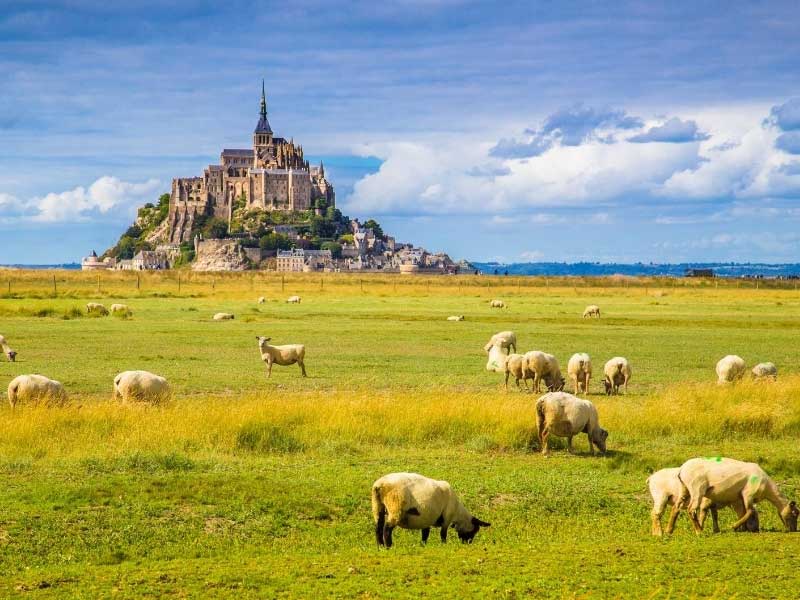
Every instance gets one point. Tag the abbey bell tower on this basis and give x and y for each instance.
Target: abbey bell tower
(262, 137)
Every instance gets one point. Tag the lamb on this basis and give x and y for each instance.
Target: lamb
(32, 388)
(293, 300)
(122, 309)
(506, 339)
(544, 367)
(456, 318)
(497, 304)
(516, 365)
(727, 481)
(730, 368)
(617, 372)
(223, 317)
(591, 311)
(140, 386)
(762, 370)
(565, 415)
(11, 354)
(95, 308)
(666, 489)
(281, 355)
(579, 369)
(261, 300)
(412, 501)
(497, 359)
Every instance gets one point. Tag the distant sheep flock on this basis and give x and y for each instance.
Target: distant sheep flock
(412, 501)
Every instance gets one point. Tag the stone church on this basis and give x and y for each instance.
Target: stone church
(273, 175)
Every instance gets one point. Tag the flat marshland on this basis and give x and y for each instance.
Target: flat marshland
(248, 487)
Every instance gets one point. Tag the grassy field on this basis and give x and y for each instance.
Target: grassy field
(244, 487)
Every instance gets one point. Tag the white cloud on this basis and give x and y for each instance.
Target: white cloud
(532, 255)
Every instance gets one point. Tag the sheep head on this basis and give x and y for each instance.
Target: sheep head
(262, 340)
(599, 438)
(609, 387)
(789, 516)
(11, 355)
(467, 536)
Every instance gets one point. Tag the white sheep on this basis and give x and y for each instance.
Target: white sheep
(11, 354)
(455, 318)
(591, 311)
(565, 415)
(505, 339)
(666, 490)
(140, 386)
(497, 304)
(412, 501)
(32, 388)
(617, 372)
(544, 367)
(765, 369)
(221, 316)
(517, 366)
(261, 299)
(288, 354)
(122, 309)
(293, 300)
(730, 368)
(725, 481)
(579, 369)
(95, 308)
(497, 359)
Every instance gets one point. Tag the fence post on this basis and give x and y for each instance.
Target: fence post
(283, 282)
(55, 291)
(179, 283)
(321, 283)
(361, 283)
(137, 281)
(9, 286)
(98, 283)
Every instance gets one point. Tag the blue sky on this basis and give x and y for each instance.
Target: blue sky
(514, 131)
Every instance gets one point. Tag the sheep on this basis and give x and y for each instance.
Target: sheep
(579, 369)
(261, 300)
(95, 308)
(730, 368)
(293, 300)
(726, 481)
(666, 489)
(506, 339)
(766, 369)
(32, 388)
(565, 415)
(122, 309)
(617, 372)
(544, 367)
(412, 501)
(281, 355)
(497, 359)
(516, 365)
(591, 311)
(497, 304)
(223, 317)
(140, 386)
(11, 354)
(456, 318)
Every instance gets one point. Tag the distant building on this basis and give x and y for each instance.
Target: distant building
(92, 263)
(149, 260)
(299, 260)
(699, 273)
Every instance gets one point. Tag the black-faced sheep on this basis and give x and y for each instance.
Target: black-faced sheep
(11, 354)
(564, 415)
(95, 308)
(617, 372)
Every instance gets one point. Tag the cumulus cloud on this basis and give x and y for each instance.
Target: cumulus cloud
(103, 197)
(673, 131)
(789, 142)
(786, 116)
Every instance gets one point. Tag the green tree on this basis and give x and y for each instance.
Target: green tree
(376, 228)
(336, 249)
(346, 238)
(215, 228)
(274, 241)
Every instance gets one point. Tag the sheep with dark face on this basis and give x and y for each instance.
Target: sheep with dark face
(544, 367)
(765, 370)
(95, 308)
(288, 354)
(565, 415)
(412, 501)
(617, 372)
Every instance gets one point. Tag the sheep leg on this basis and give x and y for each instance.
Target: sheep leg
(507, 374)
(537, 382)
(443, 534)
(425, 533)
(673, 516)
(569, 444)
(714, 518)
(748, 513)
(379, 526)
(545, 435)
(656, 514)
(575, 378)
(269, 369)
(387, 535)
(302, 367)
(591, 443)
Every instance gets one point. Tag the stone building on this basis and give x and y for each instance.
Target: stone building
(273, 175)
(93, 263)
(299, 260)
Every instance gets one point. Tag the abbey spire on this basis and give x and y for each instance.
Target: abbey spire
(263, 123)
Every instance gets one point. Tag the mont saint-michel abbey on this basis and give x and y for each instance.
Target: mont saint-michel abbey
(273, 175)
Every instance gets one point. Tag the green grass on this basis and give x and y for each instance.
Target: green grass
(244, 487)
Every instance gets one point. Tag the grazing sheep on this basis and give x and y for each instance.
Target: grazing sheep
(517, 366)
(261, 300)
(293, 300)
(666, 489)
(497, 359)
(579, 369)
(122, 309)
(412, 501)
(281, 355)
(617, 372)
(140, 386)
(11, 355)
(456, 318)
(730, 369)
(223, 317)
(766, 369)
(726, 481)
(565, 415)
(506, 339)
(591, 311)
(497, 304)
(544, 367)
(95, 308)
(32, 388)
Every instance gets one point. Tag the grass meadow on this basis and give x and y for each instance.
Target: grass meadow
(252, 488)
